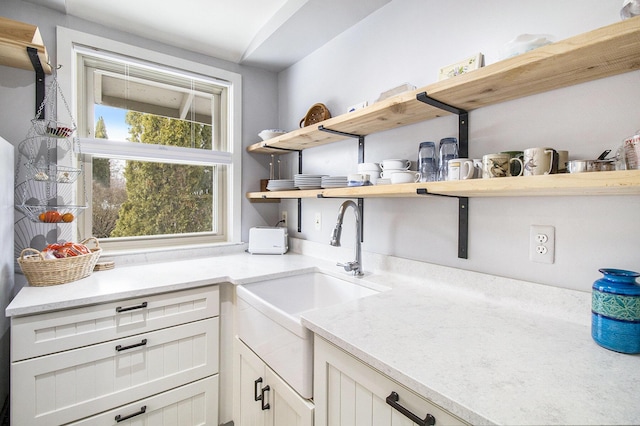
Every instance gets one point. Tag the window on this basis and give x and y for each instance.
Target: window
(159, 138)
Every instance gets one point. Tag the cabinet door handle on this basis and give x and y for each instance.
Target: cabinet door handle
(393, 399)
(131, 308)
(262, 398)
(121, 348)
(142, 410)
(256, 382)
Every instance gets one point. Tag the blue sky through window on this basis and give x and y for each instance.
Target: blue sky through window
(114, 120)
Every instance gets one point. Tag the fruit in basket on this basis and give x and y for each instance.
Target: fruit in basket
(50, 216)
(59, 132)
(69, 249)
(68, 217)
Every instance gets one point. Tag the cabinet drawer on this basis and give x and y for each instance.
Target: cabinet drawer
(36, 335)
(67, 386)
(190, 405)
(348, 391)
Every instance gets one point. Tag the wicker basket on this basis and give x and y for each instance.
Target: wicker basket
(41, 272)
(316, 114)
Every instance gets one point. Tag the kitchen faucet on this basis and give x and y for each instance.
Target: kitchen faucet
(356, 265)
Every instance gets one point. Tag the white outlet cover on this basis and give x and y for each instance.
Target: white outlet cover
(542, 243)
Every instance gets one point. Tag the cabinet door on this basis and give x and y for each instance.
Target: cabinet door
(349, 392)
(250, 381)
(287, 407)
(36, 335)
(194, 404)
(281, 405)
(71, 385)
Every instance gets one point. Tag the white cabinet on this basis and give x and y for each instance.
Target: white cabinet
(262, 397)
(349, 392)
(113, 357)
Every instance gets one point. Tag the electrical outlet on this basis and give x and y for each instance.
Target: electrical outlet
(318, 221)
(542, 244)
(285, 223)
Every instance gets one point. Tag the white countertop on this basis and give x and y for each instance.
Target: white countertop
(488, 349)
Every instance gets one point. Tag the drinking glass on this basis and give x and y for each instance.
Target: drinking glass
(448, 150)
(427, 162)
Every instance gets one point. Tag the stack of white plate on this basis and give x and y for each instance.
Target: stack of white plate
(302, 181)
(280, 185)
(334, 182)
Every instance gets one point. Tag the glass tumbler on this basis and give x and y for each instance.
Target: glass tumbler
(427, 162)
(448, 150)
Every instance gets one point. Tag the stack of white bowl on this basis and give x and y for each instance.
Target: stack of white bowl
(371, 169)
(391, 166)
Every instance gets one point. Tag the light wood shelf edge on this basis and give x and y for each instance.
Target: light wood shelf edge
(607, 51)
(15, 37)
(623, 182)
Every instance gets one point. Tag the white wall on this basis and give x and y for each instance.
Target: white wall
(408, 41)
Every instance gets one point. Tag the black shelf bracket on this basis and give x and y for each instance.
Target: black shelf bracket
(37, 67)
(463, 151)
(463, 121)
(348, 135)
(360, 160)
(463, 220)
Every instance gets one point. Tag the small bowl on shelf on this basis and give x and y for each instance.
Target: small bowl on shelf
(271, 133)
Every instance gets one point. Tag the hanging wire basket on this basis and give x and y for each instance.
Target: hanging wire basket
(51, 172)
(43, 202)
(53, 128)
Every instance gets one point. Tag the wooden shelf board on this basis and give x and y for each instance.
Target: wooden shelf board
(604, 52)
(15, 37)
(625, 182)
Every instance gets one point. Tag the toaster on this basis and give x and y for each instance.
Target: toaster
(268, 240)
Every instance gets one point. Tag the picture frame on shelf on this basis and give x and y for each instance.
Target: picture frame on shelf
(462, 67)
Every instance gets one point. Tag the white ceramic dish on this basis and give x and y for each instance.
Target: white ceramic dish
(271, 133)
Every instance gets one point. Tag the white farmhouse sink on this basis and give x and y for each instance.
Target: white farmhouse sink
(269, 320)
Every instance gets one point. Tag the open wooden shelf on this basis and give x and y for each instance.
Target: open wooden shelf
(607, 51)
(622, 182)
(15, 37)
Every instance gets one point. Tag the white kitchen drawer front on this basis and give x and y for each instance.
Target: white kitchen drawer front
(36, 335)
(72, 385)
(189, 405)
(350, 392)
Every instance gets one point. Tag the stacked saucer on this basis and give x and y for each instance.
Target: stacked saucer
(334, 181)
(302, 181)
(280, 185)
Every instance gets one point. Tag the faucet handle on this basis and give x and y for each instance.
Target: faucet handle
(351, 267)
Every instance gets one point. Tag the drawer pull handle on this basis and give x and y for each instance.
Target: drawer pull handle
(255, 388)
(393, 399)
(131, 308)
(262, 398)
(121, 348)
(142, 410)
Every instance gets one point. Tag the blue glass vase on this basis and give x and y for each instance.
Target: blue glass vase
(615, 311)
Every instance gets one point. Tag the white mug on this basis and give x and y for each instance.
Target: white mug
(460, 169)
(405, 177)
(498, 165)
(395, 164)
(540, 161)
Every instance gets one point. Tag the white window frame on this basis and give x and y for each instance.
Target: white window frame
(66, 75)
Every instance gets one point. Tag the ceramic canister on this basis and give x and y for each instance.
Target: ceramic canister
(615, 311)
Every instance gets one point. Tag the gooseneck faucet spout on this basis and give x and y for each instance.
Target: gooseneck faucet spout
(356, 265)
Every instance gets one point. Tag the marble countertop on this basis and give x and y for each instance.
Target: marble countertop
(488, 349)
